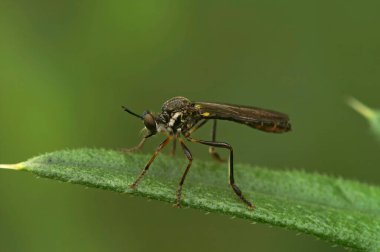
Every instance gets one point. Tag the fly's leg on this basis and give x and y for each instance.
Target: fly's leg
(211, 149)
(187, 153)
(235, 188)
(159, 148)
(172, 151)
(136, 148)
(197, 126)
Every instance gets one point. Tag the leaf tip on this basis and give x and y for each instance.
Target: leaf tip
(17, 167)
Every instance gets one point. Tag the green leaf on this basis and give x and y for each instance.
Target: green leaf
(334, 209)
(372, 115)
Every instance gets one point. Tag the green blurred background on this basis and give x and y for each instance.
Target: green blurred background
(66, 67)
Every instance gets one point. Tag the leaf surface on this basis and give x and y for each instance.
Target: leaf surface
(341, 211)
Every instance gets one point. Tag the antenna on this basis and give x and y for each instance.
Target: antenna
(132, 113)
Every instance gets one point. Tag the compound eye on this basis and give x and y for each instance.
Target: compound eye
(150, 122)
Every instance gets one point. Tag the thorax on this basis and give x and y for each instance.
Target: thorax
(178, 115)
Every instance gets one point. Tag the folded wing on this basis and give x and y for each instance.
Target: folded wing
(258, 118)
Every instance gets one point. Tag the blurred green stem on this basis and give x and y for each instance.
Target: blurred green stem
(372, 115)
(361, 108)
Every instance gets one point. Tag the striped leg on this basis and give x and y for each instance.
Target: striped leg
(159, 148)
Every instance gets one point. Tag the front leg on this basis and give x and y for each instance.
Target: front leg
(135, 148)
(159, 148)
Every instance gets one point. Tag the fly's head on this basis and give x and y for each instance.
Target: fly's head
(148, 119)
(150, 123)
(177, 115)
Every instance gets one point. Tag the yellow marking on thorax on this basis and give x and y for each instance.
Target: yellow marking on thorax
(205, 114)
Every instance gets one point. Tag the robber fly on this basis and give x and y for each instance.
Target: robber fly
(180, 117)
